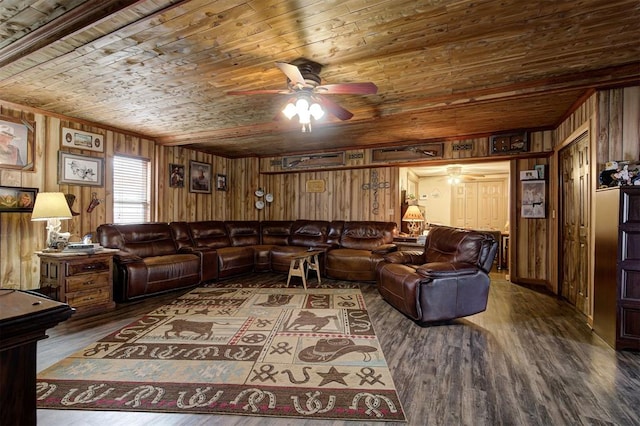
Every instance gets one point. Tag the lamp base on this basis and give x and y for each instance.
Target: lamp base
(414, 228)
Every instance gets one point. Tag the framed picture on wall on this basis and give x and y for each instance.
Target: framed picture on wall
(72, 138)
(199, 177)
(16, 143)
(533, 199)
(176, 175)
(16, 199)
(221, 182)
(74, 169)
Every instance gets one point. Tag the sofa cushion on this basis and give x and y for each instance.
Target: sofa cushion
(151, 239)
(276, 232)
(169, 268)
(366, 235)
(281, 257)
(243, 233)
(235, 260)
(308, 233)
(209, 233)
(447, 244)
(181, 234)
(352, 264)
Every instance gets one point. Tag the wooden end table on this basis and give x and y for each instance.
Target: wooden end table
(302, 263)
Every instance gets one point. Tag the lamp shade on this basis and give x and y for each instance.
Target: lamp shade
(413, 214)
(50, 205)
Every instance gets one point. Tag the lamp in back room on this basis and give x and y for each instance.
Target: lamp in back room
(52, 207)
(413, 215)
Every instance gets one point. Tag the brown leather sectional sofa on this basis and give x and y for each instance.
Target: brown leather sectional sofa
(160, 257)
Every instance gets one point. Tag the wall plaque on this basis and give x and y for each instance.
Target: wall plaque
(315, 185)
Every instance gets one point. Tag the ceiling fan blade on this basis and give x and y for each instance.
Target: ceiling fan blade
(335, 109)
(292, 72)
(259, 92)
(348, 89)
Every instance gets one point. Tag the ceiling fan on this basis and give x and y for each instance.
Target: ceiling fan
(306, 94)
(455, 175)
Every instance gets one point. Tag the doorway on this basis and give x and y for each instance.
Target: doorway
(575, 214)
(477, 196)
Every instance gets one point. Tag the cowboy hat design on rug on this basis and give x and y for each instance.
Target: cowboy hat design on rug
(326, 350)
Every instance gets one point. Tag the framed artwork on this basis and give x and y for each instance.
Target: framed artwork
(72, 138)
(74, 169)
(509, 143)
(17, 199)
(199, 177)
(16, 143)
(540, 169)
(176, 175)
(221, 182)
(533, 199)
(529, 175)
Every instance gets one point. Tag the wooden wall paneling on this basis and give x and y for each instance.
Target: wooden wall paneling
(243, 180)
(631, 123)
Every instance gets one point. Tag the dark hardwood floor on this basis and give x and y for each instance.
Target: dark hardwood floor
(529, 359)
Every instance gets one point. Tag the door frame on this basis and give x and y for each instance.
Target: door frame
(555, 172)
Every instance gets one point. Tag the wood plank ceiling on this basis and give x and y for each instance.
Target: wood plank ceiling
(162, 68)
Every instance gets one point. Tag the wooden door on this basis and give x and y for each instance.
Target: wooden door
(492, 205)
(575, 215)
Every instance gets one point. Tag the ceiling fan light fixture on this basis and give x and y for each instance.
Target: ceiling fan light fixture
(304, 110)
(316, 111)
(290, 110)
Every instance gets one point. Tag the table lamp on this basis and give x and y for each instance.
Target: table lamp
(414, 217)
(52, 207)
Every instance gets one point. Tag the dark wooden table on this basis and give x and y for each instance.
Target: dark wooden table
(24, 318)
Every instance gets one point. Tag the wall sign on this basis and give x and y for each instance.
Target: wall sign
(315, 185)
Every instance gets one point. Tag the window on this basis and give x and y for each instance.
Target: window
(131, 185)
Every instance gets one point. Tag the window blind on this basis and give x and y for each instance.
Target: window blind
(130, 189)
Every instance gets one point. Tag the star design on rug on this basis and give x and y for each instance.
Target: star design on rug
(332, 376)
(204, 311)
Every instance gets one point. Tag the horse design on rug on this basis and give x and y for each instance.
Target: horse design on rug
(309, 319)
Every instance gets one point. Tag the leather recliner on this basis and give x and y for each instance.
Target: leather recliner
(448, 280)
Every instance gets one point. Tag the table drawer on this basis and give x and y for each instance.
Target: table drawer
(84, 267)
(90, 297)
(87, 282)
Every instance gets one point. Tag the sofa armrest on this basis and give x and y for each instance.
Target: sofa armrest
(447, 269)
(208, 261)
(409, 257)
(123, 258)
(385, 249)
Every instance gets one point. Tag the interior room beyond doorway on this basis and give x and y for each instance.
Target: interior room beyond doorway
(462, 195)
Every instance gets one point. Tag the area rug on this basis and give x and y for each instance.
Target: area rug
(281, 352)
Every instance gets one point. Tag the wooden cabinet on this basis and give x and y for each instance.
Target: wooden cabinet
(616, 303)
(84, 281)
